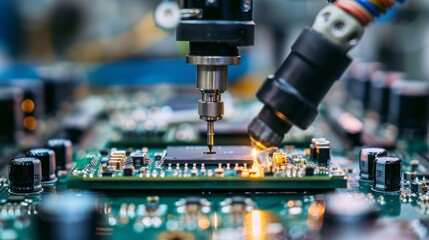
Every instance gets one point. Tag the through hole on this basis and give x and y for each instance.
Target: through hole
(326, 16)
(353, 39)
(339, 26)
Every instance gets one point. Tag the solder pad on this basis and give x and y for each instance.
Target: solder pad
(195, 154)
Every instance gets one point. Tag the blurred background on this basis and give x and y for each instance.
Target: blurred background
(109, 74)
(61, 52)
(122, 38)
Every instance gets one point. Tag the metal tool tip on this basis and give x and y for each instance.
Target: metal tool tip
(210, 136)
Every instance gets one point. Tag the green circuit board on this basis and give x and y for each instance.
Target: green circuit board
(162, 199)
(231, 168)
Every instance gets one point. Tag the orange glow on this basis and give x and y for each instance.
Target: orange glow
(27, 105)
(215, 220)
(350, 122)
(315, 216)
(256, 224)
(254, 152)
(279, 158)
(203, 223)
(30, 123)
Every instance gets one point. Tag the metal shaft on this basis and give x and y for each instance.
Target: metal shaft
(210, 135)
(212, 76)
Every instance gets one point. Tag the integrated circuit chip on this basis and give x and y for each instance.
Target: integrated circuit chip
(195, 154)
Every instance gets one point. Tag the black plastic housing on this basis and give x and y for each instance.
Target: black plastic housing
(292, 95)
(221, 27)
(11, 120)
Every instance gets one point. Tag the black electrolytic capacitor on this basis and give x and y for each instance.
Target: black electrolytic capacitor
(387, 174)
(25, 175)
(66, 217)
(359, 81)
(63, 149)
(366, 161)
(409, 108)
(11, 114)
(47, 158)
(58, 86)
(381, 83)
(347, 214)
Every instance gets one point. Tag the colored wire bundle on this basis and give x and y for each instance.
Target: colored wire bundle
(366, 10)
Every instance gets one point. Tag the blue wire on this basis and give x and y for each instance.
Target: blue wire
(369, 6)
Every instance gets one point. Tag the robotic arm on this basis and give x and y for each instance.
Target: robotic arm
(318, 58)
(215, 30)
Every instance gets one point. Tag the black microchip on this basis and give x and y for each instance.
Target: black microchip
(128, 151)
(414, 187)
(196, 154)
(238, 200)
(309, 171)
(193, 200)
(108, 172)
(15, 198)
(128, 171)
(139, 159)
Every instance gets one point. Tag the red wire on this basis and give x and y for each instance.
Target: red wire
(353, 10)
(387, 3)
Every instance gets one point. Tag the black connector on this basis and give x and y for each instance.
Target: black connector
(221, 27)
(292, 94)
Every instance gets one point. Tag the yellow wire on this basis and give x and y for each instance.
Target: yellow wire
(378, 4)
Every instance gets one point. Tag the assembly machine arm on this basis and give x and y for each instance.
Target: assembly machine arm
(214, 29)
(317, 59)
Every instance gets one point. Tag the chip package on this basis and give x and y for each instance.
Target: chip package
(197, 154)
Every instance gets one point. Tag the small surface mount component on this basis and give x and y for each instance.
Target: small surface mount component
(128, 171)
(320, 151)
(116, 159)
(231, 167)
(139, 159)
(419, 187)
